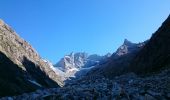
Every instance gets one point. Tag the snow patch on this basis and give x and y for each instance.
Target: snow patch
(34, 82)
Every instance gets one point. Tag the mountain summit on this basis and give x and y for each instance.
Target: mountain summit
(126, 48)
(74, 62)
(127, 42)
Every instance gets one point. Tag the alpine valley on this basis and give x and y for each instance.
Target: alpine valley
(136, 71)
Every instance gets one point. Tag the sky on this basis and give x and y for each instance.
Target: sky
(57, 27)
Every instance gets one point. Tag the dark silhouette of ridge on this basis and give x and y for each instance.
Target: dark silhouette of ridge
(156, 53)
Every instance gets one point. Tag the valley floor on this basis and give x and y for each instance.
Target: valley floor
(124, 87)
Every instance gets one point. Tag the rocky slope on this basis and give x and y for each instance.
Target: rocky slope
(124, 87)
(26, 65)
(156, 53)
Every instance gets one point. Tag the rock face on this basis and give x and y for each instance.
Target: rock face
(119, 61)
(29, 65)
(74, 63)
(156, 53)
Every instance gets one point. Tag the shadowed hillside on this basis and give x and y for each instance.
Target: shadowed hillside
(12, 78)
(156, 53)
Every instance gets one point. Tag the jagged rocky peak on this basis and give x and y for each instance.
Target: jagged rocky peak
(78, 60)
(125, 48)
(127, 42)
(75, 62)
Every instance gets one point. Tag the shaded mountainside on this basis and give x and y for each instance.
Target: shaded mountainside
(149, 56)
(156, 53)
(23, 57)
(13, 79)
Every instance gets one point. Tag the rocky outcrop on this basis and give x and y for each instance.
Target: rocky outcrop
(25, 58)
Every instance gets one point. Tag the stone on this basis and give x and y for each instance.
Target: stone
(168, 95)
(149, 97)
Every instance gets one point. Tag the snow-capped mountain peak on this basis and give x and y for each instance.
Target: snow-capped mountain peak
(74, 62)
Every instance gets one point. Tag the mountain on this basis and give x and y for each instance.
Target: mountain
(119, 61)
(126, 48)
(146, 57)
(156, 53)
(78, 63)
(121, 76)
(22, 69)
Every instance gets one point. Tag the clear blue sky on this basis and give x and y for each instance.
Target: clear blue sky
(58, 27)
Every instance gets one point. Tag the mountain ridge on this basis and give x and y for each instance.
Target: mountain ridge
(22, 54)
(156, 54)
(119, 61)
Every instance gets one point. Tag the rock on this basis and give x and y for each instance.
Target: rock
(149, 97)
(116, 89)
(7, 98)
(52, 97)
(168, 95)
(154, 93)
